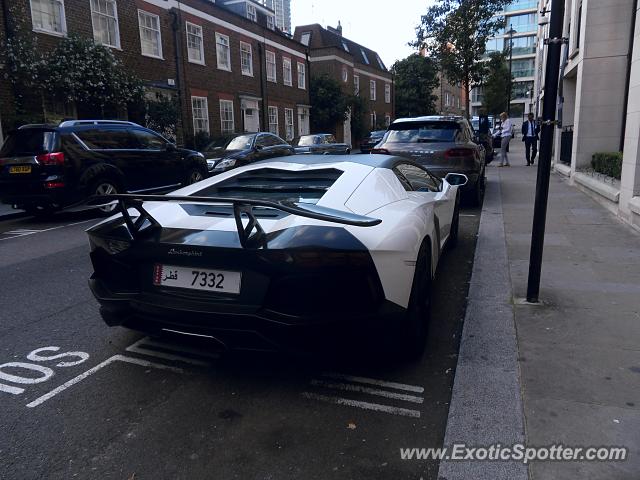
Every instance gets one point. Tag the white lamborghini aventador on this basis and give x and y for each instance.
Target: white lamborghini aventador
(280, 253)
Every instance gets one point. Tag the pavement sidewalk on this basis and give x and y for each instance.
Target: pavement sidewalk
(575, 358)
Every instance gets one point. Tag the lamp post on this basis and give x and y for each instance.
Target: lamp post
(511, 32)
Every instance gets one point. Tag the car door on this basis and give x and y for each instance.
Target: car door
(422, 181)
(115, 147)
(331, 146)
(162, 163)
(276, 147)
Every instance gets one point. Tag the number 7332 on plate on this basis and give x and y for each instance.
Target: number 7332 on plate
(191, 278)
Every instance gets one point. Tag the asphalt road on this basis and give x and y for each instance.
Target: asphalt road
(81, 400)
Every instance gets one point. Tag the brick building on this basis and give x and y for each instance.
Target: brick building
(358, 69)
(227, 64)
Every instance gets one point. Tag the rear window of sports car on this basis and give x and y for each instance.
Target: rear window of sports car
(275, 185)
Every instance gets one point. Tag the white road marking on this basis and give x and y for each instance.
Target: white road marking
(373, 381)
(22, 233)
(405, 412)
(138, 347)
(467, 215)
(46, 373)
(108, 361)
(9, 389)
(370, 391)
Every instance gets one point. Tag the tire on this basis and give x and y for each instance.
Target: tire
(104, 186)
(478, 192)
(348, 151)
(452, 242)
(415, 327)
(194, 175)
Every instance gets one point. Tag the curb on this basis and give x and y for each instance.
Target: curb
(13, 215)
(486, 401)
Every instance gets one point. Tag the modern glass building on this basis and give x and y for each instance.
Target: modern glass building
(521, 18)
(283, 13)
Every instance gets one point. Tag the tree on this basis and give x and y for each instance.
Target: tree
(329, 105)
(415, 79)
(455, 33)
(497, 82)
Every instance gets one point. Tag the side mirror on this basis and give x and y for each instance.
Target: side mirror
(171, 147)
(257, 148)
(456, 179)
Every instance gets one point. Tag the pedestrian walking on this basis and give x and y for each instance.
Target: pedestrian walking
(530, 137)
(505, 133)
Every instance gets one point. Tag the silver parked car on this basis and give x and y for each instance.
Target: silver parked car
(443, 144)
(321, 144)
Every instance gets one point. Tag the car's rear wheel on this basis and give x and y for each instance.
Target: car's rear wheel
(104, 186)
(414, 330)
(195, 175)
(478, 191)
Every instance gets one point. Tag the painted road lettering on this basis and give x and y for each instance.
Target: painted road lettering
(32, 373)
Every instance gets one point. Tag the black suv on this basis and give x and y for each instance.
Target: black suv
(44, 168)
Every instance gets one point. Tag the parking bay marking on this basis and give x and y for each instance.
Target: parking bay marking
(20, 232)
(140, 348)
(100, 366)
(358, 385)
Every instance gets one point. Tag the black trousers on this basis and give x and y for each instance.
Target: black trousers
(529, 145)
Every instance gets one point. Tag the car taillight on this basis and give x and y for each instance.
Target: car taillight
(459, 153)
(56, 184)
(384, 151)
(56, 158)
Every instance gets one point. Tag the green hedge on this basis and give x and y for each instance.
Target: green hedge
(608, 163)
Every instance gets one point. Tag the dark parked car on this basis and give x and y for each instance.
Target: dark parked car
(443, 144)
(243, 149)
(371, 140)
(44, 168)
(321, 144)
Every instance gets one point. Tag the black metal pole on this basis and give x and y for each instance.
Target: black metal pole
(554, 43)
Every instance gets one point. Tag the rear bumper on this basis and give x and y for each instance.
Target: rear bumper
(31, 193)
(245, 327)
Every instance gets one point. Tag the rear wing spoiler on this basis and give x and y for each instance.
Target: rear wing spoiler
(241, 206)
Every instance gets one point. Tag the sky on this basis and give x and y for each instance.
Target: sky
(385, 26)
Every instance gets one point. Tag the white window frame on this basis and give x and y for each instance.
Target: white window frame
(289, 127)
(302, 76)
(356, 84)
(220, 51)
(200, 36)
(345, 74)
(252, 14)
(373, 120)
(372, 90)
(95, 13)
(249, 51)
(205, 118)
(272, 73)
(63, 20)
(387, 93)
(387, 120)
(224, 109)
(142, 13)
(271, 22)
(364, 56)
(305, 38)
(287, 73)
(273, 114)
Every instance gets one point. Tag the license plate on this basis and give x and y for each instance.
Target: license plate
(20, 169)
(220, 281)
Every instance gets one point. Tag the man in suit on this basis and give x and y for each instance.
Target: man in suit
(530, 132)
